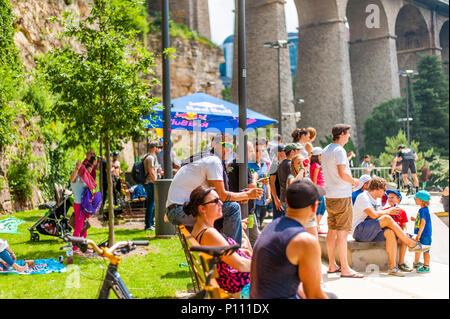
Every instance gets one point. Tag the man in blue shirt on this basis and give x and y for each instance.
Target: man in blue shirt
(261, 169)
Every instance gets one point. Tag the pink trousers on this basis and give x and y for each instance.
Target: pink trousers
(80, 218)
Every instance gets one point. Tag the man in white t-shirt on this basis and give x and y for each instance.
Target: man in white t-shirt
(338, 199)
(208, 169)
(371, 223)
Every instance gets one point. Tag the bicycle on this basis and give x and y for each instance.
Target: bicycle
(216, 252)
(112, 280)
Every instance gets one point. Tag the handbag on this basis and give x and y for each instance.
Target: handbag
(86, 225)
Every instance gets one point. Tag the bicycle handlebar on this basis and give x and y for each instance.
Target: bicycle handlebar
(216, 251)
(80, 241)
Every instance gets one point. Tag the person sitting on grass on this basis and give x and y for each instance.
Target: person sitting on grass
(393, 199)
(286, 258)
(8, 259)
(206, 207)
(422, 230)
(370, 223)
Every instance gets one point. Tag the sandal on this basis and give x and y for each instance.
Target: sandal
(333, 272)
(353, 275)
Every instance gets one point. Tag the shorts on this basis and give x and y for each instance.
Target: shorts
(322, 208)
(340, 213)
(408, 164)
(369, 230)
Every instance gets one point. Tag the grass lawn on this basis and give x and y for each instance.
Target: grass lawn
(151, 272)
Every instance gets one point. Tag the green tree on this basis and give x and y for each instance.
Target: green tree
(104, 90)
(391, 149)
(381, 124)
(431, 118)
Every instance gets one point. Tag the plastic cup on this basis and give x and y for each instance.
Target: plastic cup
(251, 221)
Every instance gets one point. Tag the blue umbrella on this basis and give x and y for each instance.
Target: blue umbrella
(200, 110)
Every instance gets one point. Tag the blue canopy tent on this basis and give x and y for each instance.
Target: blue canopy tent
(203, 112)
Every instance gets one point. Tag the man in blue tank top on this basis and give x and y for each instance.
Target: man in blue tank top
(286, 258)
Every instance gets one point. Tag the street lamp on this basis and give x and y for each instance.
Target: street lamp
(279, 44)
(408, 74)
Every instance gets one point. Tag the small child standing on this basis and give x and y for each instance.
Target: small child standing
(422, 230)
(315, 171)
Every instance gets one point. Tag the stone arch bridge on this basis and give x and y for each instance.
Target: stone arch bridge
(349, 53)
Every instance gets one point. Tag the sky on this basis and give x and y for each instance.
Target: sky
(222, 18)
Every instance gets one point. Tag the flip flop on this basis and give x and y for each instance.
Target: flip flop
(333, 272)
(354, 275)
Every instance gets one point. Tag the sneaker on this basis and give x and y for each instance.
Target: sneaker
(423, 268)
(150, 228)
(396, 272)
(404, 267)
(417, 265)
(419, 247)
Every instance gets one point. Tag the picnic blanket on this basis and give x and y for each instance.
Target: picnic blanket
(10, 225)
(42, 266)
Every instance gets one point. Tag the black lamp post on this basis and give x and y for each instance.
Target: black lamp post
(408, 74)
(279, 44)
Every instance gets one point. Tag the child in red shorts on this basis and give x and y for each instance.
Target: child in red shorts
(393, 199)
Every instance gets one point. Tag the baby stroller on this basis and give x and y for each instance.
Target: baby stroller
(54, 222)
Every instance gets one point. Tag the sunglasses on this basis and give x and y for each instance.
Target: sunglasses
(215, 201)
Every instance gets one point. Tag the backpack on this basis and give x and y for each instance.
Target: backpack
(138, 172)
(90, 204)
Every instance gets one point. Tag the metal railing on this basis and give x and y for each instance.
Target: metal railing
(383, 172)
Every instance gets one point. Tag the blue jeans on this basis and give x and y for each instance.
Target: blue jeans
(6, 257)
(277, 213)
(232, 220)
(150, 209)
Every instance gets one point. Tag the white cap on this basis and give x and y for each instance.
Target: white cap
(316, 151)
(362, 180)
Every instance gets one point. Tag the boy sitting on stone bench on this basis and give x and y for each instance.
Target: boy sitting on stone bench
(370, 223)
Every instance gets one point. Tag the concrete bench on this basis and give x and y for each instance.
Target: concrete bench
(443, 216)
(361, 256)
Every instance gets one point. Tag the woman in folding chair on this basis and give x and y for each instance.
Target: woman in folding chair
(233, 270)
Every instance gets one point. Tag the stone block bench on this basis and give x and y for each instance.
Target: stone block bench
(362, 256)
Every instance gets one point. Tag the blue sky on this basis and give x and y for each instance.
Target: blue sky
(222, 18)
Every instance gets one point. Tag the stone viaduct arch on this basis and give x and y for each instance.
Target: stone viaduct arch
(345, 65)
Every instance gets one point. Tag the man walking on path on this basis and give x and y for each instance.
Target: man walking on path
(150, 167)
(338, 199)
(408, 158)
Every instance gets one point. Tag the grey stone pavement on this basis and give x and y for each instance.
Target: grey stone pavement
(433, 285)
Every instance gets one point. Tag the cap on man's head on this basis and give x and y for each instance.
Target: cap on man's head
(362, 180)
(399, 195)
(401, 146)
(291, 147)
(115, 153)
(303, 193)
(281, 147)
(423, 195)
(153, 145)
(316, 151)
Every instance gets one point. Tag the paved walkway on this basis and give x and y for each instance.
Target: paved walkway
(433, 285)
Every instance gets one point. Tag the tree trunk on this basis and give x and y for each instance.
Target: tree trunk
(110, 191)
(102, 187)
